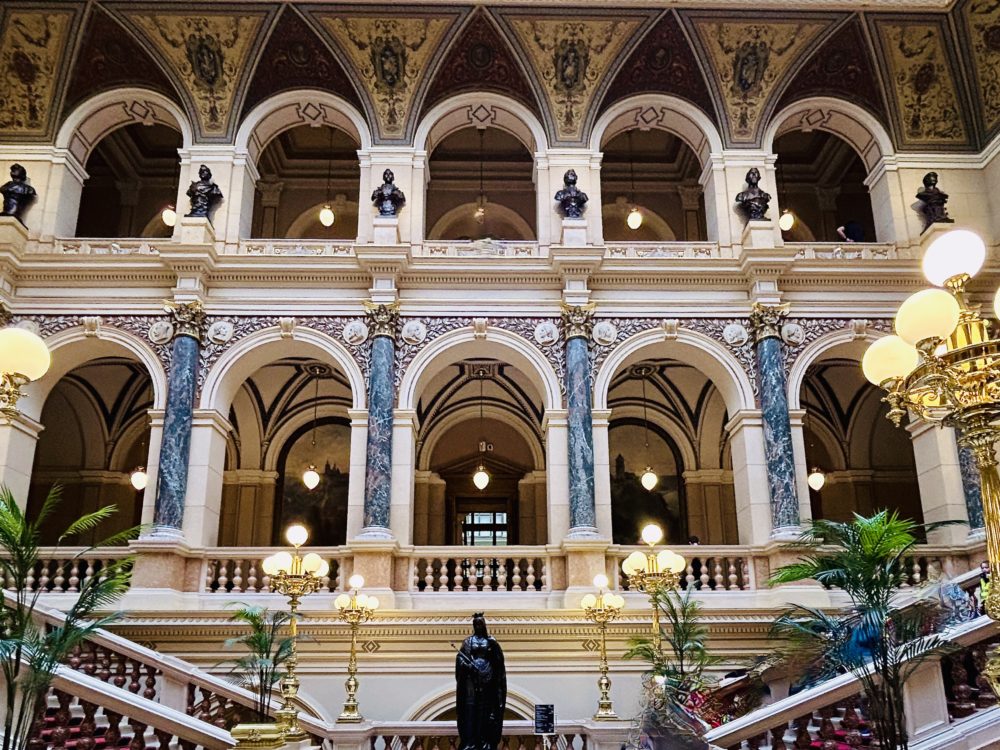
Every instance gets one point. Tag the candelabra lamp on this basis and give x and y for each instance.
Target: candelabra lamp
(23, 357)
(652, 572)
(600, 609)
(354, 608)
(294, 576)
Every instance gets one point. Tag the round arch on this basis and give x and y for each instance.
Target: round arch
(73, 347)
(497, 211)
(470, 412)
(848, 343)
(480, 109)
(632, 414)
(464, 343)
(296, 230)
(844, 119)
(103, 113)
(249, 354)
(294, 427)
(290, 109)
(618, 212)
(691, 347)
(430, 709)
(662, 112)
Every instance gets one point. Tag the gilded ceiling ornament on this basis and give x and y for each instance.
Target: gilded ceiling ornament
(983, 19)
(209, 54)
(922, 84)
(390, 55)
(32, 45)
(749, 61)
(570, 59)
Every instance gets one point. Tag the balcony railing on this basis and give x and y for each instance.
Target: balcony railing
(470, 569)
(330, 248)
(667, 250)
(477, 249)
(97, 246)
(843, 250)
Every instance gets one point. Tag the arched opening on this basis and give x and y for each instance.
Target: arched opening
(656, 173)
(303, 170)
(867, 462)
(667, 417)
(288, 416)
(96, 433)
(480, 414)
(821, 181)
(480, 186)
(133, 173)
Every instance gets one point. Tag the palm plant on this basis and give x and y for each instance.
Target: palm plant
(30, 651)
(880, 644)
(260, 668)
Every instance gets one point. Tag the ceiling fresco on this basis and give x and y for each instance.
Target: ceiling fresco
(932, 77)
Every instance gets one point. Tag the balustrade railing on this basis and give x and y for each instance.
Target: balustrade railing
(465, 569)
(668, 250)
(335, 248)
(66, 570)
(477, 248)
(443, 735)
(239, 570)
(98, 246)
(708, 568)
(843, 250)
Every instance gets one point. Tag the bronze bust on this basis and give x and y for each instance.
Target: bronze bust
(572, 200)
(388, 198)
(754, 201)
(481, 689)
(933, 202)
(17, 193)
(204, 193)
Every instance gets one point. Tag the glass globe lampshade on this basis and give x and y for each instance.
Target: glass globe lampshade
(268, 565)
(296, 534)
(588, 601)
(634, 563)
(816, 479)
(996, 304)
(168, 216)
(356, 581)
(326, 216)
(889, 357)
(23, 353)
(601, 581)
(931, 313)
(139, 478)
(670, 560)
(481, 478)
(786, 221)
(373, 602)
(310, 478)
(614, 600)
(311, 563)
(952, 254)
(280, 561)
(651, 534)
(634, 218)
(649, 479)
(343, 601)
(361, 600)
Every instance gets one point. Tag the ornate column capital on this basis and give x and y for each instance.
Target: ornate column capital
(765, 320)
(578, 320)
(382, 319)
(188, 318)
(690, 196)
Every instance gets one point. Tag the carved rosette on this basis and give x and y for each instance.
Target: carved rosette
(577, 321)
(383, 320)
(766, 320)
(188, 318)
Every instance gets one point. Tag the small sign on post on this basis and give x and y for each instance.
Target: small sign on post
(545, 719)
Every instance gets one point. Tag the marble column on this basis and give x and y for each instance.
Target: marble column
(188, 320)
(972, 489)
(778, 450)
(582, 514)
(382, 323)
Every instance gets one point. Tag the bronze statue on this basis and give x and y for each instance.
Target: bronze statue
(753, 200)
(17, 193)
(481, 689)
(388, 198)
(204, 193)
(933, 201)
(572, 200)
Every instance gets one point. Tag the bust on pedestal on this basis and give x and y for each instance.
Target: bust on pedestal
(389, 200)
(17, 193)
(572, 203)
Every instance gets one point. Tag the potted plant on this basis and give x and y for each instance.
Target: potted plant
(261, 667)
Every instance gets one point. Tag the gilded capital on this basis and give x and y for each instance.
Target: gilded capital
(765, 320)
(6, 317)
(578, 320)
(382, 319)
(188, 318)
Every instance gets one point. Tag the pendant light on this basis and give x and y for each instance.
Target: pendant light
(787, 219)
(649, 478)
(139, 478)
(816, 479)
(634, 218)
(168, 215)
(480, 214)
(326, 215)
(310, 477)
(481, 478)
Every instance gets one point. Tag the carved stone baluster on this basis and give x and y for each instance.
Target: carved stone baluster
(734, 584)
(328, 578)
(850, 719)
(138, 741)
(104, 660)
(88, 659)
(43, 576)
(428, 575)
(689, 574)
(545, 574)
(29, 581)
(442, 574)
(237, 576)
(136, 673)
(223, 577)
(459, 576)
(916, 571)
(74, 577)
(778, 738)
(59, 727)
(120, 666)
(502, 574)
(515, 578)
(209, 575)
(531, 574)
(488, 573)
(189, 708)
(705, 578)
(88, 727)
(75, 657)
(89, 572)
(251, 587)
(59, 579)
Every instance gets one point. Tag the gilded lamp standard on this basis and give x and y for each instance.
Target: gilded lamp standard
(354, 608)
(294, 576)
(23, 357)
(652, 572)
(600, 609)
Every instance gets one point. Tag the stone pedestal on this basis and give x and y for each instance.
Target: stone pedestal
(163, 565)
(18, 438)
(194, 230)
(574, 232)
(939, 476)
(585, 558)
(13, 235)
(373, 561)
(759, 235)
(386, 230)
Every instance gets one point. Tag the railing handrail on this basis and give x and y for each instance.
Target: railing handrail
(450, 728)
(471, 551)
(826, 693)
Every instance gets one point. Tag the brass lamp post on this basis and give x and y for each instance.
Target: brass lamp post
(600, 609)
(294, 576)
(652, 572)
(354, 608)
(23, 357)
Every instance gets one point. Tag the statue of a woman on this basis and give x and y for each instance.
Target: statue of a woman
(572, 201)
(388, 198)
(754, 201)
(17, 193)
(481, 689)
(204, 193)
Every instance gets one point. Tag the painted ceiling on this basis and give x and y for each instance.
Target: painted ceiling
(931, 74)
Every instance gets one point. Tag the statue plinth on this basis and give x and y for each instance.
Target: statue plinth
(931, 232)
(759, 234)
(13, 234)
(386, 230)
(574, 232)
(195, 230)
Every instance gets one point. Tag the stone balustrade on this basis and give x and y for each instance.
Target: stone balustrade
(465, 569)
(477, 249)
(668, 250)
(843, 250)
(239, 570)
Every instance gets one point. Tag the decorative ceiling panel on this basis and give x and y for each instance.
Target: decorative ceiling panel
(982, 25)
(928, 107)
(480, 60)
(210, 53)
(392, 53)
(574, 60)
(35, 45)
(750, 61)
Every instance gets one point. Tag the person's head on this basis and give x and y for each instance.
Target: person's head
(17, 172)
(694, 539)
(753, 176)
(204, 173)
(930, 179)
(570, 177)
(984, 568)
(479, 624)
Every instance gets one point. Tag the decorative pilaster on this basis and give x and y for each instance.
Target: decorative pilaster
(765, 321)
(383, 321)
(188, 322)
(578, 322)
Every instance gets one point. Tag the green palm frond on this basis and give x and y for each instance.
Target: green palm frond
(88, 522)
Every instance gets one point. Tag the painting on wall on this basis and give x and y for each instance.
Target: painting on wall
(322, 510)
